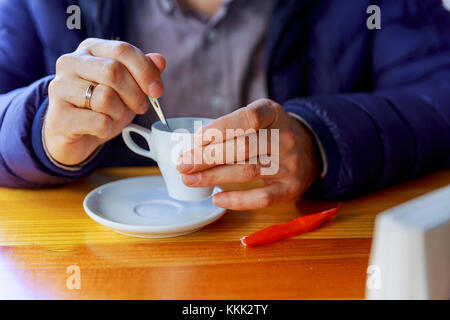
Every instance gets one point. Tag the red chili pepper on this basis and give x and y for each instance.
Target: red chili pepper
(289, 229)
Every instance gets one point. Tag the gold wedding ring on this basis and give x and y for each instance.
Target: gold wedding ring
(88, 97)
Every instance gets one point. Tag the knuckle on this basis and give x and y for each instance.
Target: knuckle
(121, 48)
(86, 43)
(213, 154)
(148, 77)
(138, 102)
(113, 71)
(250, 171)
(265, 103)
(149, 73)
(254, 117)
(103, 126)
(54, 86)
(105, 96)
(239, 202)
(63, 61)
(240, 146)
(275, 106)
(268, 104)
(204, 179)
(120, 114)
(258, 111)
(207, 156)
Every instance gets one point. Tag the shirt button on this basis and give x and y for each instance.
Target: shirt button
(217, 103)
(212, 35)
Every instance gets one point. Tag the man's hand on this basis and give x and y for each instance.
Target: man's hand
(296, 158)
(125, 76)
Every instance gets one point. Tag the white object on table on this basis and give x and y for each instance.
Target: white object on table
(410, 256)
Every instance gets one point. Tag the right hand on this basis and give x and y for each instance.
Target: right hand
(125, 77)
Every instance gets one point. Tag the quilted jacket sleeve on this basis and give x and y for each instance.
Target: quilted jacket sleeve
(400, 130)
(23, 102)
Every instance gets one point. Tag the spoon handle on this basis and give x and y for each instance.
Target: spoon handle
(155, 103)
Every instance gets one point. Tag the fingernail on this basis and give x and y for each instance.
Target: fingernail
(191, 179)
(218, 201)
(156, 89)
(184, 167)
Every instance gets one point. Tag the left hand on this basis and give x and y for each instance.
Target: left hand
(296, 158)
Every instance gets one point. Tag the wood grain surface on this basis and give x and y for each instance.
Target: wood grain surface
(45, 231)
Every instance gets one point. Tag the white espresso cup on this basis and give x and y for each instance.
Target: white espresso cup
(165, 148)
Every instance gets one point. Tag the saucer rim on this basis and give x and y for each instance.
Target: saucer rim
(157, 230)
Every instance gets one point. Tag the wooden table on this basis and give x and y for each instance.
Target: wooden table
(45, 232)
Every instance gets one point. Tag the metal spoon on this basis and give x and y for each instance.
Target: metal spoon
(155, 103)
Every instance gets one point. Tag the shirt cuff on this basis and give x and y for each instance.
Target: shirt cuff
(51, 165)
(318, 143)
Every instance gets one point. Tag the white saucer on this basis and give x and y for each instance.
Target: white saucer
(141, 207)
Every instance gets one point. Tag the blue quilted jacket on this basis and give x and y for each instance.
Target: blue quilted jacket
(377, 100)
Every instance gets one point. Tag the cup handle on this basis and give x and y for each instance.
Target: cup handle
(143, 132)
